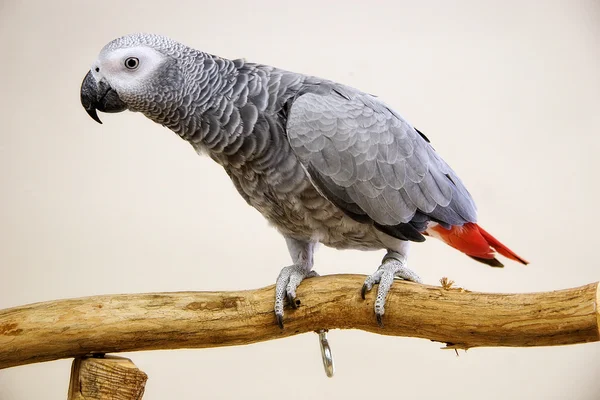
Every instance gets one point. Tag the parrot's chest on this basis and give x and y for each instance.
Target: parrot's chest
(289, 201)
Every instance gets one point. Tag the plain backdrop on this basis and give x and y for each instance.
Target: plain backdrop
(508, 92)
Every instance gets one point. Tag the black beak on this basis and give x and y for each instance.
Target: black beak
(99, 96)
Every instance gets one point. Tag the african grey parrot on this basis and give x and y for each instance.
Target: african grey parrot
(321, 161)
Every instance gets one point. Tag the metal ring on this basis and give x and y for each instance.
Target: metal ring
(326, 353)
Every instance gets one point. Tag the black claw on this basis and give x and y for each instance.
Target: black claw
(363, 291)
(292, 301)
(380, 320)
(279, 320)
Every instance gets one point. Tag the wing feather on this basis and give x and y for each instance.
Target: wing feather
(370, 162)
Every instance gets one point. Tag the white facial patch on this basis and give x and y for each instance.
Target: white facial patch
(111, 65)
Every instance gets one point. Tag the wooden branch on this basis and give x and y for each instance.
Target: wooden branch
(109, 377)
(463, 319)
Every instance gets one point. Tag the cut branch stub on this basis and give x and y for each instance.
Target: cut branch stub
(108, 377)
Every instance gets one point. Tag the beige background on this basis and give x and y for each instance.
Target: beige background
(508, 91)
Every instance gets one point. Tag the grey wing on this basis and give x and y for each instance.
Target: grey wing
(375, 166)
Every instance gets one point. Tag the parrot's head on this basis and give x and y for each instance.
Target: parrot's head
(137, 72)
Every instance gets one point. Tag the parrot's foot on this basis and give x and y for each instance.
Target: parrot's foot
(288, 280)
(393, 266)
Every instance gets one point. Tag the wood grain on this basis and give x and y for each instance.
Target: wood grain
(107, 378)
(107, 324)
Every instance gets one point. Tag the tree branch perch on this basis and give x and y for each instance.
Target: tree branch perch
(107, 324)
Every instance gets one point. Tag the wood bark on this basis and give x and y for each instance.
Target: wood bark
(106, 378)
(462, 319)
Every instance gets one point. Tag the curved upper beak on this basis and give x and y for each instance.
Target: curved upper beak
(98, 95)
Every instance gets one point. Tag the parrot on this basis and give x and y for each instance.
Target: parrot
(323, 162)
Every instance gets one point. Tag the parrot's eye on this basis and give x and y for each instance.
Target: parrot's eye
(132, 63)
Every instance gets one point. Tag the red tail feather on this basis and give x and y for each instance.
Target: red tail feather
(499, 247)
(472, 240)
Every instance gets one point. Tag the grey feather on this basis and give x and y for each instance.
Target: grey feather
(317, 159)
(375, 158)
